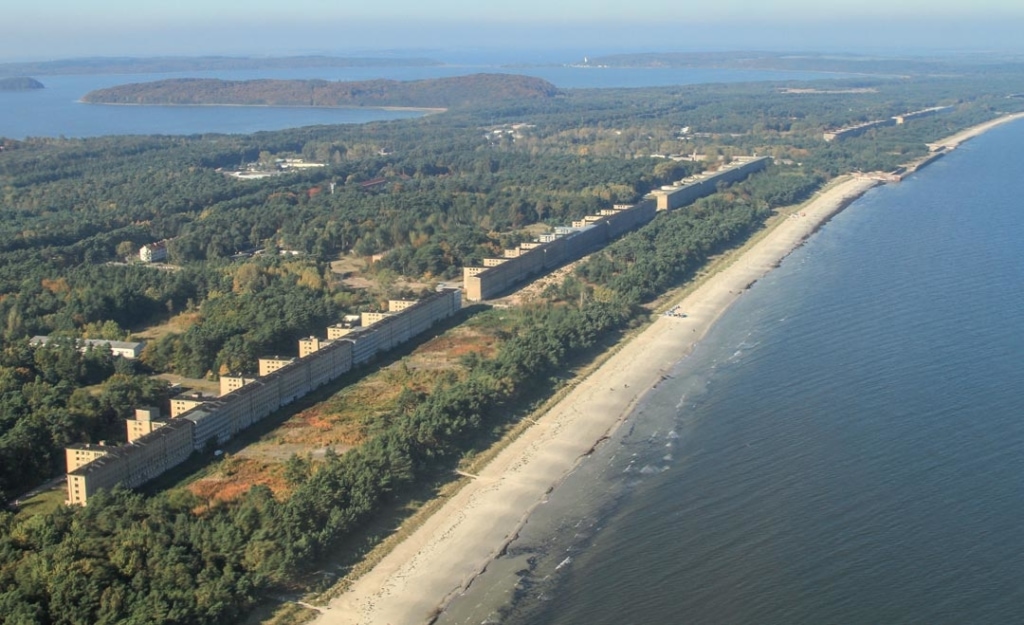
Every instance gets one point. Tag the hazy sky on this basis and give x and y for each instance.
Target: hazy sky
(61, 28)
(542, 10)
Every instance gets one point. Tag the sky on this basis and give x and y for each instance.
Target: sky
(51, 29)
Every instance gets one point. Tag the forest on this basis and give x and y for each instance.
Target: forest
(457, 187)
(458, 91)
(20, 84)
(127, 558)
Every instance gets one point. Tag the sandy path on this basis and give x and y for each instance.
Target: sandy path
(458, 541)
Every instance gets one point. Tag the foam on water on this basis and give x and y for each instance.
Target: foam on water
(859, 464)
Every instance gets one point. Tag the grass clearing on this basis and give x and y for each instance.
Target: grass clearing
(347, 417)
(43, 503)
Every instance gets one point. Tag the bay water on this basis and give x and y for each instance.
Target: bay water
(56, 110)
(845, 447)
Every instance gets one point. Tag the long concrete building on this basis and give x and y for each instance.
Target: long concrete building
(895, 120)
(484, 283)
(594, 232)
(160, 444)
(689, 190)
(857, 129)
(133, 464)
(928, 112)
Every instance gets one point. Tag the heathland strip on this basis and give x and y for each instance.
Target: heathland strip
(455, 544)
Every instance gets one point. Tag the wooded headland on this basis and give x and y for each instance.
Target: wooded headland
(460, 91)
(20, 84)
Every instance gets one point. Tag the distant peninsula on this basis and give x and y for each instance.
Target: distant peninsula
(442, 93)
(832, 63)
(20, 84)
(161, 65)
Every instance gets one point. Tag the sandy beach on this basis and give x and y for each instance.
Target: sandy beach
(955, 140)
(457, 542)
(454, 545)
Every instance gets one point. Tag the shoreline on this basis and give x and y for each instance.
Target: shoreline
(954, 141)
(355, 107)
(416, 580)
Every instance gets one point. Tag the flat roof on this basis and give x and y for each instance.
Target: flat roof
(43, 340)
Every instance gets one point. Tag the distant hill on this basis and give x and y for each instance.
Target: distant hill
(20, 84)
(445, 93)
(160, 65)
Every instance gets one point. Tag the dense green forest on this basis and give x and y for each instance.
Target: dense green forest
(458, 91)
(644, 264)
(456, 187)
(132, 559)
(20, 84)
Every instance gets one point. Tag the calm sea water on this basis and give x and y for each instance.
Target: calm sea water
(56, 110)
(846, 446)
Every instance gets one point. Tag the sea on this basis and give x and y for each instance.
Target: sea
(57, 111)
(845, 447)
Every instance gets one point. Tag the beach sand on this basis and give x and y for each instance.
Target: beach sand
(455, 544)
(955, 140)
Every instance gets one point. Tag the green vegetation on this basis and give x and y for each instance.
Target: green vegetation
(648, 262)
(128, 558)
(45, 405)
(458, 91)
(449, 190)
(20, 84)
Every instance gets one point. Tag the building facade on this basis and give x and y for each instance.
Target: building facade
(216, 420)
(272, 364)
(593, 232)
(153, 252)
(125, 349)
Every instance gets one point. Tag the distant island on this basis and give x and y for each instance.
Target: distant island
(837, 63)
(160, 65)
(442, 93)
(20, 84)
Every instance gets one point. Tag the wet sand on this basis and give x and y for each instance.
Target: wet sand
(456, 543)
(443, 556)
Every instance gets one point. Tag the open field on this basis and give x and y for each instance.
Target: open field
(346, 418)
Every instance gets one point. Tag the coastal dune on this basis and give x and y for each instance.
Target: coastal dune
(455, 544)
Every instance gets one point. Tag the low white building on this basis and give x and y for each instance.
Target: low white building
(125, 349)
